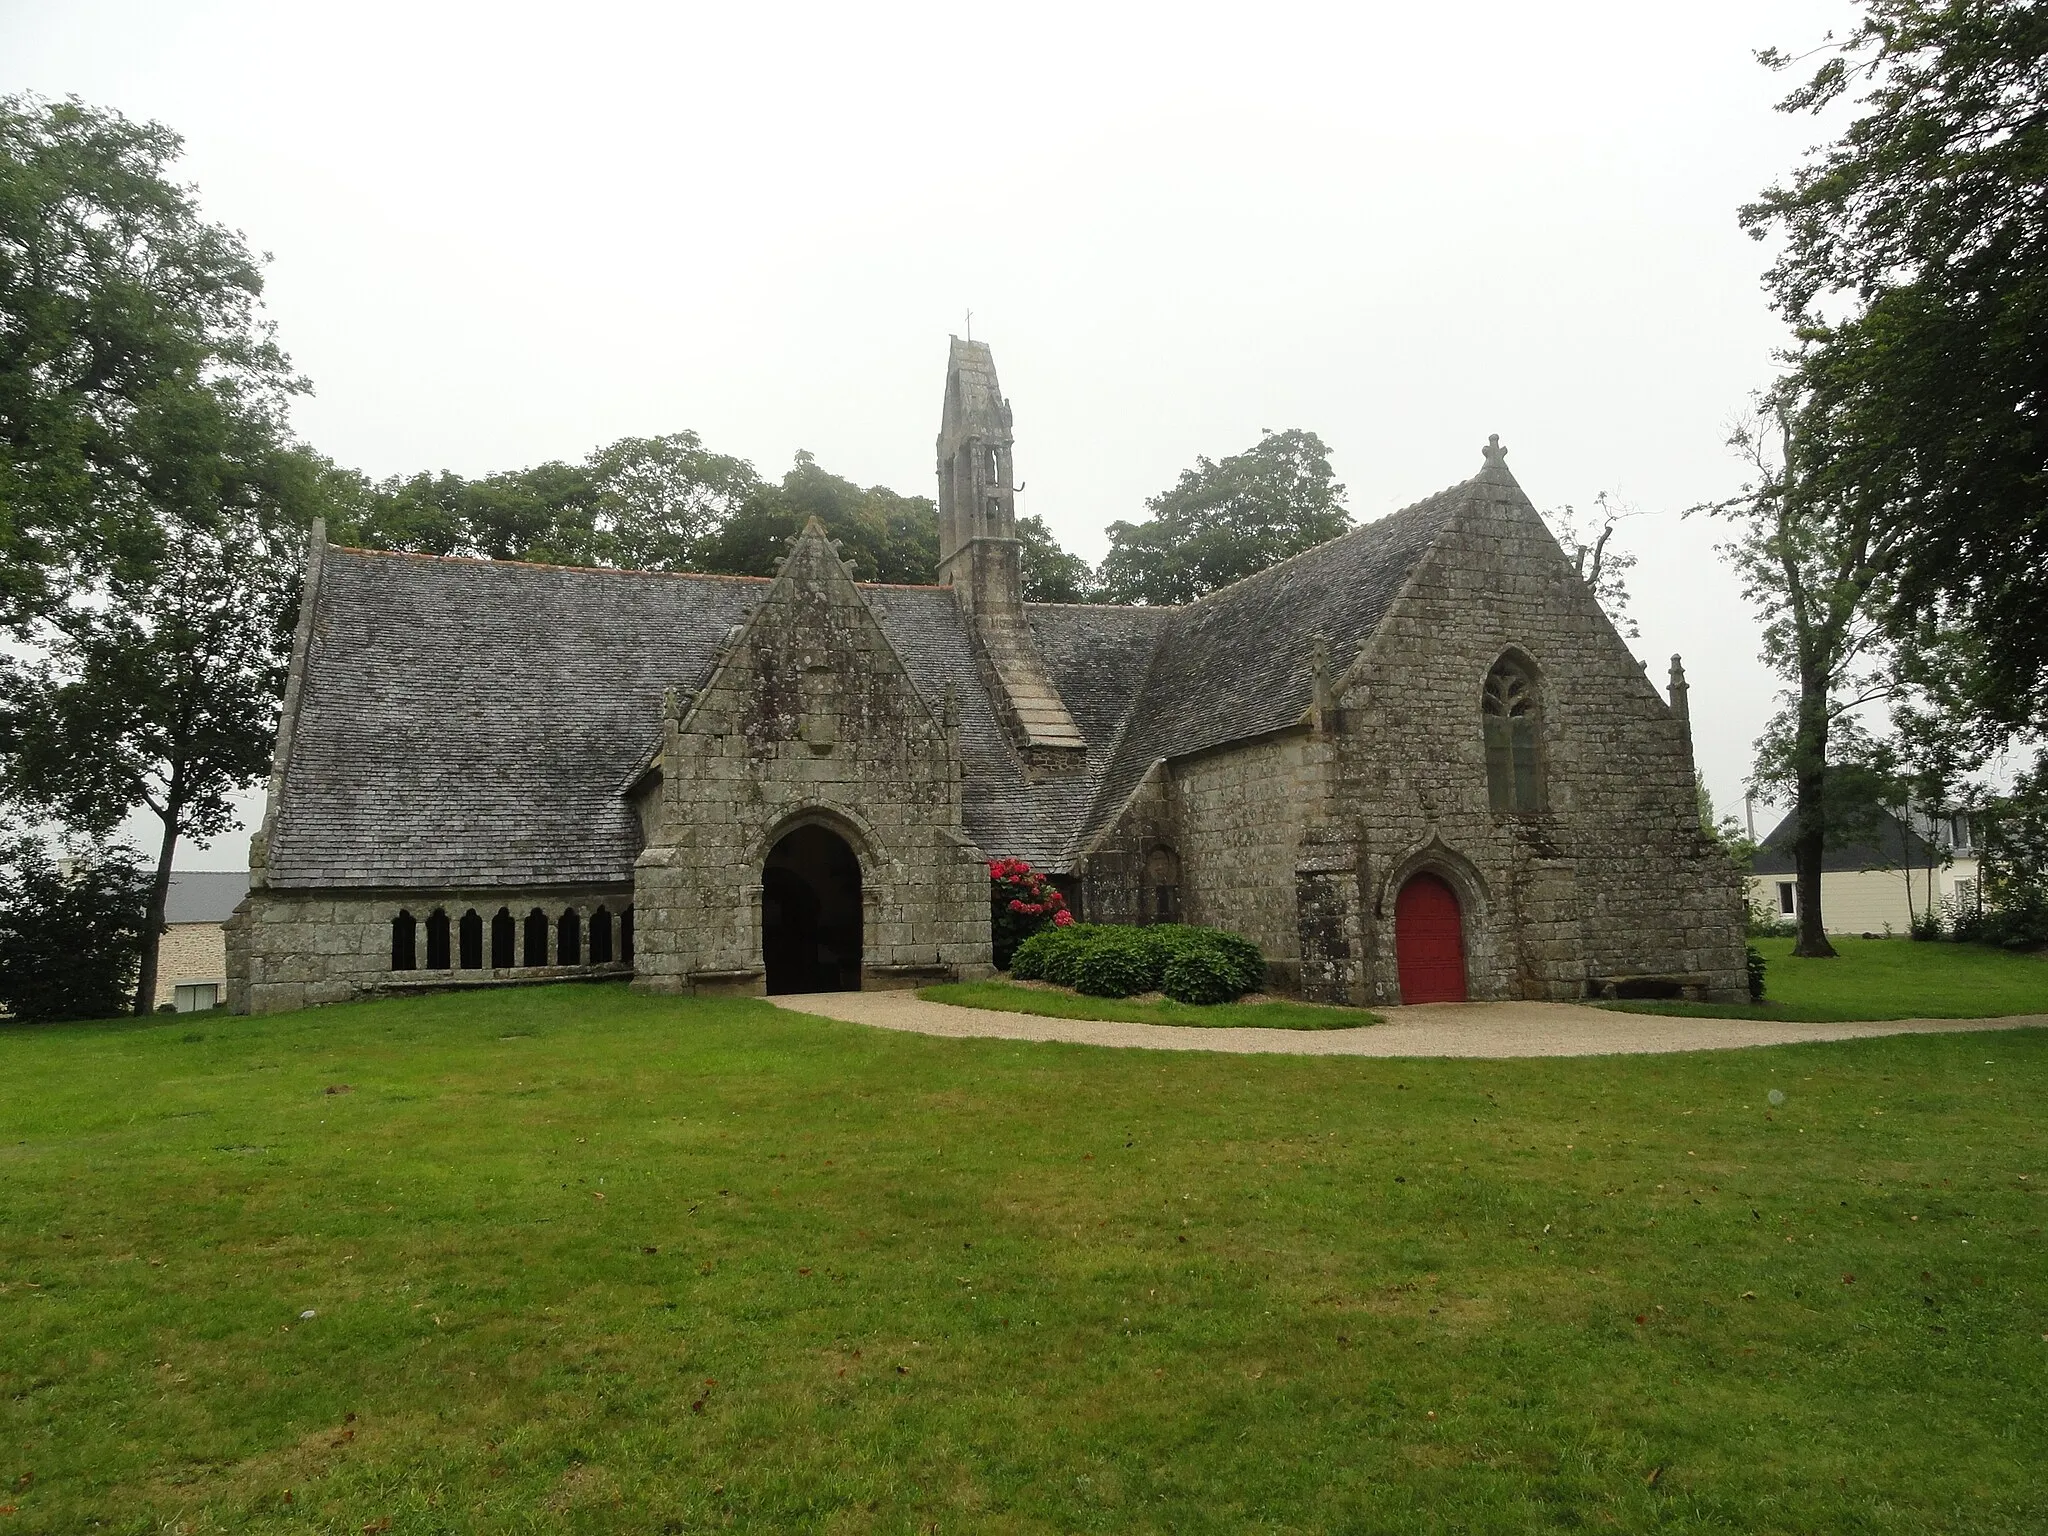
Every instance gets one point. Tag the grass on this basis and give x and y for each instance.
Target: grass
(1884, 979)
(580, 1260)
(1011, 998)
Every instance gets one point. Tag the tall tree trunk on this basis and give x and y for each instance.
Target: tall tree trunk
(1810, 758)
(159, 898)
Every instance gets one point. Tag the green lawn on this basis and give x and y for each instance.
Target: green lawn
(1885, 979)
(1011, 998)
(581, 1260)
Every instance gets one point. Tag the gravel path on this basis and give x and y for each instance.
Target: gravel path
(1438, 1029)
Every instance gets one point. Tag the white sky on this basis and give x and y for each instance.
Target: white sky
(511, 232)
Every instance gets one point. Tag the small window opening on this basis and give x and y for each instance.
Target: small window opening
(404, 954)
(504, 935)
(626, 936)
(472, 941)
(569, 949)
(995, 467)
(536, 937)
(1514, 781)
(1788, 897)
(437, 941)
(600, 937)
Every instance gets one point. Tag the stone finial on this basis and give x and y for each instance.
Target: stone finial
(1681, 705)
(949, 708)
(671, 703)
(1496, 456)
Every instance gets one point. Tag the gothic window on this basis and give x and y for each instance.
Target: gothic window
(472, 941)
(570, 949)
(995, 468)
(626, 936)
(503, 931)
(437, 941)
(1514, 778)
(1161, 897)
(536, 937)
(404, 957)
(601, 937)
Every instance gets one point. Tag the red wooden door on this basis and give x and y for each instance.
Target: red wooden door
(1429, 942)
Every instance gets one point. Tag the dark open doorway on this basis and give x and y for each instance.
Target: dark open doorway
(810, 914)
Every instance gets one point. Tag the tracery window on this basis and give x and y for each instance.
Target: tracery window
(472, 929)
(1512, 715)
(536, 937)
(601, 937)
(503, 932)
(570, 949)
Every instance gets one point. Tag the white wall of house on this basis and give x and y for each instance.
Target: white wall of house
(1871, 900)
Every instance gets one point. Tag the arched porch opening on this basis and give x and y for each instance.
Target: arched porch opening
(811, 938)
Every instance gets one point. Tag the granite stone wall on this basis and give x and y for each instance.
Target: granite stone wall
(808, 719)
(294, 949)
(1303, 840)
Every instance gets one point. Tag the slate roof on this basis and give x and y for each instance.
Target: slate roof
(204, 895)
(1240, 662)
(1887, 845)
(474, 723)
(470, 721)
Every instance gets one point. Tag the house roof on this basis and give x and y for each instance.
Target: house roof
(473, 722)
(1889, 844)
(204, 895)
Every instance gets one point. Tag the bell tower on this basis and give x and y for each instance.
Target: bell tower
(980, 558)
(977, 496)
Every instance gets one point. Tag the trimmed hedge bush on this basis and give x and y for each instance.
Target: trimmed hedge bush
(1200, 976)
(1115, 960)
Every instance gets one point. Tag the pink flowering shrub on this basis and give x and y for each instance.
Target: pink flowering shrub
(1024, 901)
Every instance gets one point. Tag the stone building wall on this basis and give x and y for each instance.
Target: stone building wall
(1613, 875)
(1302, 840)
(808, 718)
(295, 949)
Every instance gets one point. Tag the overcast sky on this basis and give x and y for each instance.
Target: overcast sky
(506, 233)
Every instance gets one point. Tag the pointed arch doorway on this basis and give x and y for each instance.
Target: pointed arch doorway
(811, 913)
(1429, 941)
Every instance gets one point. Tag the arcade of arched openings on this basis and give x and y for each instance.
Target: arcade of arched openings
(574, 936)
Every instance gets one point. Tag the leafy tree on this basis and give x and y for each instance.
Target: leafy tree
(1223, 521)
(155, 497)
(126, 321)
(69, 942)
(1808, 558)
(2015, 863)
(1051, 574)
(658, 499)
(882, 536)
(1915, 268)
(159, 686)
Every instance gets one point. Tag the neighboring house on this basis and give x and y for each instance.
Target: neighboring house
(191, 966)
(1415, 764)
(1875, 883)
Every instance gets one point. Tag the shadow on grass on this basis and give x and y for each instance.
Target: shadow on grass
(1008, 997)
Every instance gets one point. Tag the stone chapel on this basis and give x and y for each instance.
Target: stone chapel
(1414, 764)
